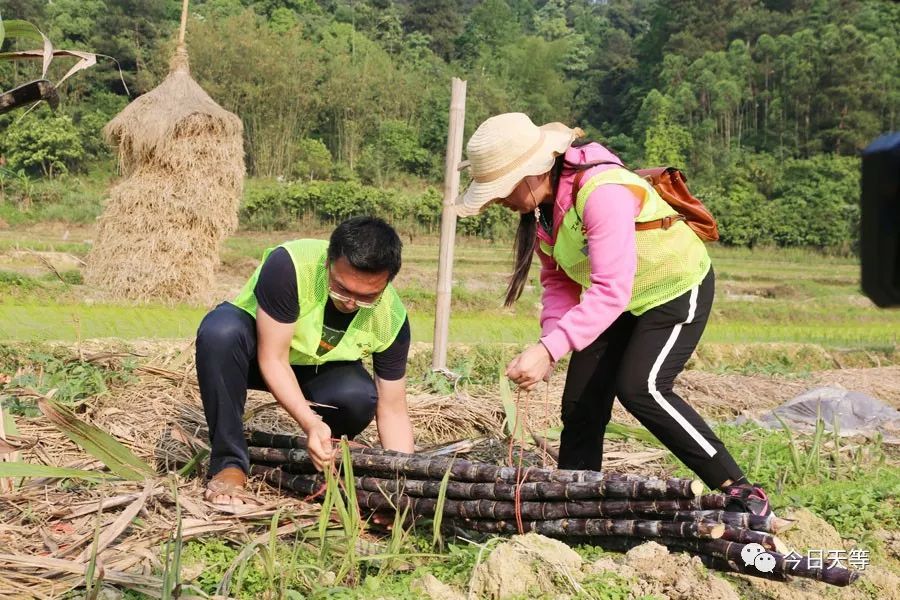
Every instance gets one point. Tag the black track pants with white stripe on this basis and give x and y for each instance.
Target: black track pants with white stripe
(637, 359)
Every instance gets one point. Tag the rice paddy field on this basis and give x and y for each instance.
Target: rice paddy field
(784, 322)
(763, 296)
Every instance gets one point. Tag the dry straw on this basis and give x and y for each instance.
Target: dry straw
(182, 158)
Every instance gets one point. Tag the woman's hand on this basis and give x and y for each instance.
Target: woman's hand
(319, 444)
(530, 367)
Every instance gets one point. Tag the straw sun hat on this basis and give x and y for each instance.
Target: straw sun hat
(503, 151)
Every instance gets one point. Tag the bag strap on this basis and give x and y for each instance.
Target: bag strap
(664, 223)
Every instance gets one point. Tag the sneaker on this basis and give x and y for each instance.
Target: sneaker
(748, 498)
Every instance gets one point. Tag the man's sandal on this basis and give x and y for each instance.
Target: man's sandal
(231, 482)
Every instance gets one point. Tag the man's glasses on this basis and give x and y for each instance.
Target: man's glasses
(342, 298)
(335, 295)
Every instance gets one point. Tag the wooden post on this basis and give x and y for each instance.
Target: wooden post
(448, 223)
(183, 27)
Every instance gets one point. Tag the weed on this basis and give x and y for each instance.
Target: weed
(171, 579)
(42, 370)
(11, 281)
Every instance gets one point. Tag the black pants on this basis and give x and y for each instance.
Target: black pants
(637, 359)
(227, 368)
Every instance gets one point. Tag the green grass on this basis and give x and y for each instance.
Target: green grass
(39, 322)
(29, 321)
(764, 296)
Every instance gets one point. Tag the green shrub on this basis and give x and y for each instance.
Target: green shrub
(810, 202)
(314, 162)
(44, 143)
(270, 205)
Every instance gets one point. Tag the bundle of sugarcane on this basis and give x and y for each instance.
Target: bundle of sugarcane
(616, 511)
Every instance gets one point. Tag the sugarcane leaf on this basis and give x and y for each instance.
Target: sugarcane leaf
(24, 29)
(622, 431)
(551, 434)
(85, 59)
(96, 442)
(25, 469)
(511, 424)
(437, 540)
(2, 31)
(16, 28)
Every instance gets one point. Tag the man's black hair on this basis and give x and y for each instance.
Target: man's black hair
(369, 244)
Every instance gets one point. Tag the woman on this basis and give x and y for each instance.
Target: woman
(627, 297)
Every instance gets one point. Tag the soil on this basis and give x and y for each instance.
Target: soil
(530, 564)
(527, 564)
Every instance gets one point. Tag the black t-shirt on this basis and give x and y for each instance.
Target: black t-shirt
(276, 293)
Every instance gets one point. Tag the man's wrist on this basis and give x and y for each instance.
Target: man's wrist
(303, 413)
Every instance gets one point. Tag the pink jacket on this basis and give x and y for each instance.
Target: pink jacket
(570, 319)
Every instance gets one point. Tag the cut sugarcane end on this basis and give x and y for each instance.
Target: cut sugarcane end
(779, 525)
(696, 487)
(717, 531)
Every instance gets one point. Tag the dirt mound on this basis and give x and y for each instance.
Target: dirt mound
(810, 532)
(525, 565)
(658, 573)
(532, 564)
(432, 587)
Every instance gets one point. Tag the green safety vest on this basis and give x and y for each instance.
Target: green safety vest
(372, 329)
(669, 261)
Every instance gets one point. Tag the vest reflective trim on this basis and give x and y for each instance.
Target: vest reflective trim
(669, 262)
(372, 329)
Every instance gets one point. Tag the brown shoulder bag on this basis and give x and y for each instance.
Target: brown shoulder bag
(671, 185)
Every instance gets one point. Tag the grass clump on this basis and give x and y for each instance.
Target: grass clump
(43, 369)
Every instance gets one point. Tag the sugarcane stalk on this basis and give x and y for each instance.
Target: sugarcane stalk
(682, 509)
(829, 573)
(544, 514)
(768, 524)
(296, 483)
(598, 527)
(463, 470)
(491, 509)
(720, 544)
(460, 490)
(747, 536)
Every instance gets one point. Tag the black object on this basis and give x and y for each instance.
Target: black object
(28, 93)
(880, 222)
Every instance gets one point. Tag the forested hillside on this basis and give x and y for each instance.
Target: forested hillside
(764, 103)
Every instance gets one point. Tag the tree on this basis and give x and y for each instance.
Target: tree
(665, 143)
(314, 161)
(440, 20)
(42, 142)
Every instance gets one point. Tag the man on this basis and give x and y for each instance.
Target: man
(299, 329)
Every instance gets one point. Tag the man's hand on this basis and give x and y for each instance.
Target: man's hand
(319, 444)
(530, 367)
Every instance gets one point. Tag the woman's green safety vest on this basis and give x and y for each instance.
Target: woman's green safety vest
(669, 261)
(372, 329)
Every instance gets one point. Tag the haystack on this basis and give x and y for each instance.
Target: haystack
(182, 160)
